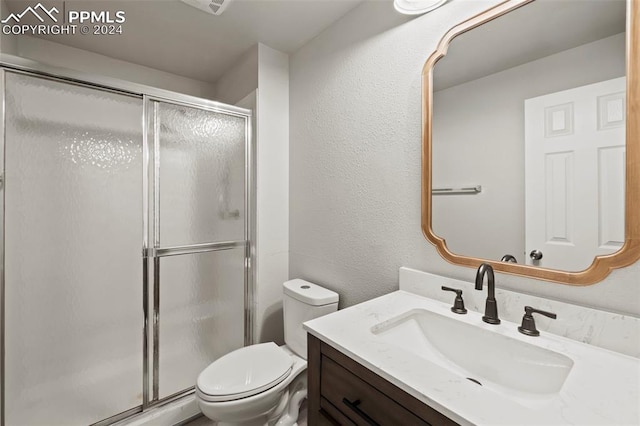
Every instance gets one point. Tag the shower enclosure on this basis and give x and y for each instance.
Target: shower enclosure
(125, 244)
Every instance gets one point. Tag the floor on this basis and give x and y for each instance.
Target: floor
(200, 421)
(203, 421)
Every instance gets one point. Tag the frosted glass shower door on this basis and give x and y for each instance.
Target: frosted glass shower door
(202, 175)
(73, 265)
(201, 233)
(201, 314)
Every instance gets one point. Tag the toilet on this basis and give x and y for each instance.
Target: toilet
(264, 384)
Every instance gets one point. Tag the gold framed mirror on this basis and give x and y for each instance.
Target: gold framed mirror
(596, 267)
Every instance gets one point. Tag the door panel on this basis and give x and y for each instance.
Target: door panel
(73, 274)
(201, 170)
(202, 175)
(201, 314)
(575, 174)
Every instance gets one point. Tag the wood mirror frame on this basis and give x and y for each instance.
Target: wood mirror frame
(602, 265)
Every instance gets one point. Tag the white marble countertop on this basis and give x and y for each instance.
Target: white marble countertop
(602, 388)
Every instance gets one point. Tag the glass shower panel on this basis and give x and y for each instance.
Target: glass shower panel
(73, 265)
(201, 314)
(202, 175)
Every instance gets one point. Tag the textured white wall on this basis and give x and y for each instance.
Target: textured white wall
(355, 161)
(267, 70)
(59, 55)
(479, 124)
(272, 228)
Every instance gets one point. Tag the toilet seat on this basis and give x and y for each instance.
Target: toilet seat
(244, 372)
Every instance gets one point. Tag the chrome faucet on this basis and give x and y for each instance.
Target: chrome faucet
(491, 307)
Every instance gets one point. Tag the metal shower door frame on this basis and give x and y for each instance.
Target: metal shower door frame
(151, 252)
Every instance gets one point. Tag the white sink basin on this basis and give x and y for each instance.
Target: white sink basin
(494, 360)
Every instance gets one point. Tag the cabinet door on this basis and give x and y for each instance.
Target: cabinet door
(344, 392)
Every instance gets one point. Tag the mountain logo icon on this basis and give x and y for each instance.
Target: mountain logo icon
(34, 11)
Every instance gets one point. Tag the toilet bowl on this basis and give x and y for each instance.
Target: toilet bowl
(264, 384)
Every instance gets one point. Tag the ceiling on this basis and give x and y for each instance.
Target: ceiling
(174, 37)
(531, 32)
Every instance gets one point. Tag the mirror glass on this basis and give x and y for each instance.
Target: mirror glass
(528, 136)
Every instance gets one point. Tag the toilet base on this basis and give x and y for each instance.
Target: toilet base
(298, 393)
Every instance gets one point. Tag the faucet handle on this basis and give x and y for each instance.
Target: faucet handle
(528, 325)
(458, 304)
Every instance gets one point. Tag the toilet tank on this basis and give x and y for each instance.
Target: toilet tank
(303, 301)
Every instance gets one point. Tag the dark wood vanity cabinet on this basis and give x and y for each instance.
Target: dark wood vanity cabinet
(343, 392)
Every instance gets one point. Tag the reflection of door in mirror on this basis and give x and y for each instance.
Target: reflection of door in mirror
(574, 174)
(537, 52)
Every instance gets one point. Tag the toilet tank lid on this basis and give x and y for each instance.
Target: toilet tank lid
(309, 293)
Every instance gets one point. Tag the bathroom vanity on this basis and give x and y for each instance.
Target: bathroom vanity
(404, 358)
(342, 391)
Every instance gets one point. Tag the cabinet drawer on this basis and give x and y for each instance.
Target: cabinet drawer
(359, 401)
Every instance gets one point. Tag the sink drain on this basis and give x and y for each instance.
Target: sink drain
(474, 381)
